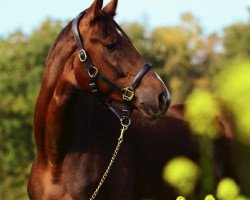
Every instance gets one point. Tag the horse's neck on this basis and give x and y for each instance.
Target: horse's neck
(55, 112)
(63, 114)
(63, 119)
(53, 119)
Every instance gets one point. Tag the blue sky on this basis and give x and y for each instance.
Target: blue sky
(213, 14)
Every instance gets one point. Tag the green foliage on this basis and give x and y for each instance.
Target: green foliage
(21, 65)
(182, 174)
(175, 52)
(233, 85)
(138, 35)
(241, 197)
(237, 40)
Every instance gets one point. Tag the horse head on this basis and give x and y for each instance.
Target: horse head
(111, 53)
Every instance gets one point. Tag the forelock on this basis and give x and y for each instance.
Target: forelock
(105, 24)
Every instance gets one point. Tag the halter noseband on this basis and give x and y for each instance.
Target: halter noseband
(127, 93)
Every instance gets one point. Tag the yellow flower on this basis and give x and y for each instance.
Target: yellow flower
(180, 198)
(201, 112)
(227, 189)
(233, 85)
(210, 197)
(182, 174)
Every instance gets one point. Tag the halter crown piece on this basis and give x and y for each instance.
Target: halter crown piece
(127, 93)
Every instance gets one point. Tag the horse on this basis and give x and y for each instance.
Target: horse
(91, 67)
(147, 149)
(76, 131)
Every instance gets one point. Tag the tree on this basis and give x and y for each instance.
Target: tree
(175, 49)
(140, 38)
(236, 40)
(21, 64)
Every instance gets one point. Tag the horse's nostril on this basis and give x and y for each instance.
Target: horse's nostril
(162, 101)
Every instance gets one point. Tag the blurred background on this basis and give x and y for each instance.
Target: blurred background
(200, 48)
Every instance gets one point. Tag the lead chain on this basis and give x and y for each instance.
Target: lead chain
(120, 140)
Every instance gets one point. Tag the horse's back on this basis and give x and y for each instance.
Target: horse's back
(171, 136)
(156, 143)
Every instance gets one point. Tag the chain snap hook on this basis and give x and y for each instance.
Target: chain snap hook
(120, 140)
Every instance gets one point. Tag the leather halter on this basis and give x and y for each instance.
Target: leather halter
(127, 93)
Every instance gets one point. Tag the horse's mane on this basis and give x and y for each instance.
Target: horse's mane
(63, 32)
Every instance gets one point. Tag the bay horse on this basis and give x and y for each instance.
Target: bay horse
(75, 130)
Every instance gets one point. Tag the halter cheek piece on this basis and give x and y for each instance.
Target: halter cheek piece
(127, 93)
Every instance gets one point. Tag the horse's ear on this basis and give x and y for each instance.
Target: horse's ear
(95, 9)
(111, 7)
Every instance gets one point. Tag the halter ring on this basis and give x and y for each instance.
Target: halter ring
(82, 55)
(125, 121)
(93, 72)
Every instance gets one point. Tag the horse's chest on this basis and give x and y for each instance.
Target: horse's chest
(68, 183)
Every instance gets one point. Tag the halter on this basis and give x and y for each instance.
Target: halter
(127, 93)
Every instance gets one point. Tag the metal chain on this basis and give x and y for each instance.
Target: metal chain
(120, 140)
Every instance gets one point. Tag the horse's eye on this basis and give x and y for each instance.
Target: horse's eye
(111, 46)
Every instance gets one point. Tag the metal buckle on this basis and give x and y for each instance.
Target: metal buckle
(82, 55)
(93, 87)
(127, 94)
(93, 71)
